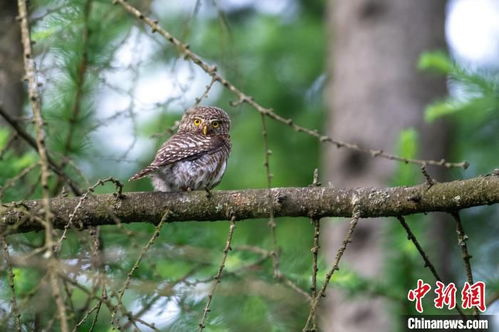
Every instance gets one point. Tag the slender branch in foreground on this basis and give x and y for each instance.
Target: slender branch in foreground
(315, 251)
(271, 223)
(461, 239)
(36, 108)
(135, 266)
(310, 323)
(10, 279)
(105, 299)
(315, 269)
(218, 277)
(422, 253)
(184, 49)
(307, 202)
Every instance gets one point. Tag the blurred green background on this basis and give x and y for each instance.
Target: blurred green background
(112, 90)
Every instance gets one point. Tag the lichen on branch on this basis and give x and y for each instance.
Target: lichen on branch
(107, 209)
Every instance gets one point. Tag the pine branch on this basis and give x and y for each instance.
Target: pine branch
(316, 202)
(21, 132)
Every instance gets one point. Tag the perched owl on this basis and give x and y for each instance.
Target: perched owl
(196, 156)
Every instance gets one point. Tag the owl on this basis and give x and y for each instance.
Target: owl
(196, 156)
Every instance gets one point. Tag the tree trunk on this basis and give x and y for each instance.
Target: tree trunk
(11, 60)
(374, 92)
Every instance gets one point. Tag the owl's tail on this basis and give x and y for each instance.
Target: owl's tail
(143, 173)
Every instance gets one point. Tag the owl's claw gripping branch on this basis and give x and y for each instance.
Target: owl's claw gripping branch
(253, 203)
(209, 195)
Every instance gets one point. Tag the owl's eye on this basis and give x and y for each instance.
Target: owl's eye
(215, 124)
(197, 122)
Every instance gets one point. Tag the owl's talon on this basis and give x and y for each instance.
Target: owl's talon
(208, 193)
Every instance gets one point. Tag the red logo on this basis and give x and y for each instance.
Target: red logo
(418, 293)
(474, 295)
(471, 295)
(446, 295)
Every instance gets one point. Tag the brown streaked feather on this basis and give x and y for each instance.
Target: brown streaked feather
(143, 173)
(188, 146)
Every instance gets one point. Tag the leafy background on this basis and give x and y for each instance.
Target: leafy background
(114, 89)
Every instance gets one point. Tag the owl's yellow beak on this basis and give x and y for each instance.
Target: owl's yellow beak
(205, 130)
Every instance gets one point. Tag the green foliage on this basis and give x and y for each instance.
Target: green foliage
(78, 41)
(277, 60)
(25, 280)
(437, 62)
(478, 97)
(81, 39)
(11, 165)
(472, 108)
(407, 147)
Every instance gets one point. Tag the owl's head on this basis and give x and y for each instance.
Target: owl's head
(205, 120)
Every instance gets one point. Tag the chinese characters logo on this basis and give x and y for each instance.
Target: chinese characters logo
(471, 295)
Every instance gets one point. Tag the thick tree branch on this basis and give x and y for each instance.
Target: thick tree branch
(315, 202)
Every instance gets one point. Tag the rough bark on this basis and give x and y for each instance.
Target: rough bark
(107, 209)
(375, 91)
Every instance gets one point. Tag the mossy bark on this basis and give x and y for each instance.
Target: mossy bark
(107, 209)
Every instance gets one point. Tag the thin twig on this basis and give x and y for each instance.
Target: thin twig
(339, 254)
(98, 280)
(82, 199)
(154, 236)
(160, 293)
(7, 146)
(271, 222)
(316, 222)
(218, 276)
(205, 93)
(87, 314)
(427, 176)
(461, 240)
(97, 264)
(12, 181)
(315, 253)
(10, 278)
(422, 253)
(291, 284)
(275, 253)
(412, 237)
(99, 306)
(243, 98)
(32, 142)
(108, 303)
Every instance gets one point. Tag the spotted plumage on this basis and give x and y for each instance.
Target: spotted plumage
(196, 156)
